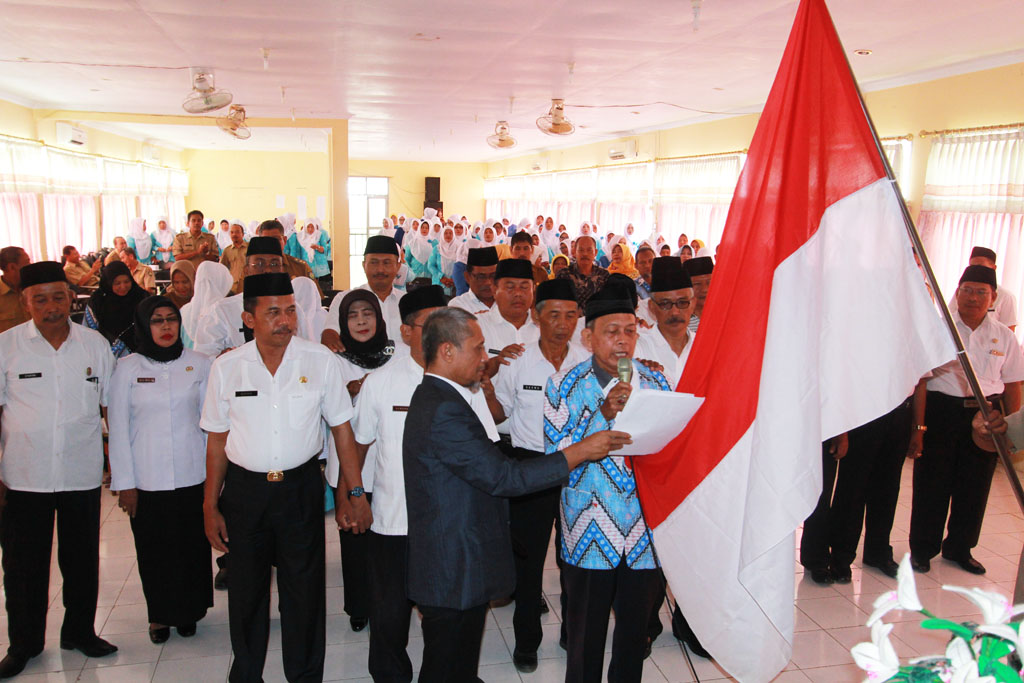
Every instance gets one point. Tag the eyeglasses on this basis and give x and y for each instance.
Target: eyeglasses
(979, 292)
(667, 304)
(259, 264)
(482, 277)
(156, 322)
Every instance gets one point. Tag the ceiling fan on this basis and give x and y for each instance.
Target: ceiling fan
(234, 123)
(204, 96)
(555, 123)
(502, 138)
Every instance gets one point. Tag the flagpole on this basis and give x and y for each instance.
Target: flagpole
(954, 333)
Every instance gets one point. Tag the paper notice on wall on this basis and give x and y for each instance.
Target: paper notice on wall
(301, 211)
(280, 201)
(321, 206)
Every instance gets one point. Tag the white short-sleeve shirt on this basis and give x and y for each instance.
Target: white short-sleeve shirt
(994, 353)
(273, 421)
(499, 333)
(470, 302)
(652, 345)
(350, 372)
(155, 440)
(519, 388)
(51, 433)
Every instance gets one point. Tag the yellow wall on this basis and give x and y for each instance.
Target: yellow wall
(462, 184)
(982, 98)
(31, 124)
(246, 184)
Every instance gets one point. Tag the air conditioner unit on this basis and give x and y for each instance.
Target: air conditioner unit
(539, 165)
(68, 134)
(626, 150)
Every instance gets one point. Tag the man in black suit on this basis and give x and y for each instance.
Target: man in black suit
(456, 484)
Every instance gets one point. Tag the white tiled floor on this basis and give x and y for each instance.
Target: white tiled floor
(829, 619)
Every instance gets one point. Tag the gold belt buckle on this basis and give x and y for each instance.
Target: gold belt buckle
(275, 475)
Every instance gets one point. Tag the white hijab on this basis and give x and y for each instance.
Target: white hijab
(312, 316)
(420, 246)
(389, 228)
(164, 237)
(137, 231)
(449, 251)
(307, 240)
(213, 282)
(250, 230)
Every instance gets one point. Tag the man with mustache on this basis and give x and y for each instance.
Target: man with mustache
(264, 491)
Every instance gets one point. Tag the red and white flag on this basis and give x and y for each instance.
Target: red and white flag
(818, 321)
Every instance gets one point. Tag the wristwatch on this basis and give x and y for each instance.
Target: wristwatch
(356, 492)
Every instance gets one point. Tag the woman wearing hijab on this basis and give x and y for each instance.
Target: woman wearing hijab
(183, 282)
(140, 240)
(312, 245)
(449, 250)
(364, 335)
(622, 258)
(224, 234)
(419, 252)
(213, 282)
(158, 466)
(559, 263)
(311, 316)
(111, 308)
(686, 253)
(163, 241)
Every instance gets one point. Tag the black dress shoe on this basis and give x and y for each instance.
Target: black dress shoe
(220, 582)
(888, 566)
(90, 647)
(841, 574)
(358, 623)
(544, 609)
(682, 631)
(159, 635)
(188, 630)
(563, 643)
(920, 565)
(526, 662)
(822, 575)
(967, 563)
(12, 665)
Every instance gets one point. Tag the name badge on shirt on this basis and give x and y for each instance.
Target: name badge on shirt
(30, 375)
(246, 393)
(145, 380)
(94, 380)
(533, 387)
(496, 352)
(996, 353)
(400, 409)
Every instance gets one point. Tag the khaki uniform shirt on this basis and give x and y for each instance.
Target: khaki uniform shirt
(144, 276)
(11, 311)
(184, 243)
(76, 271)
(297, 268)
(233, 258)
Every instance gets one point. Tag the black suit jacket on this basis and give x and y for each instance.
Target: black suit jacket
(460, 549)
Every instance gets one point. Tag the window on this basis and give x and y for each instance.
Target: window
(367, 209)
(898, 150)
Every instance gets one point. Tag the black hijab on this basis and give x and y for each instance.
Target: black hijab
(373, 352)
(144, 342)
(115, 314)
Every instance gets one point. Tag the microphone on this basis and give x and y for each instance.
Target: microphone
(625, 370)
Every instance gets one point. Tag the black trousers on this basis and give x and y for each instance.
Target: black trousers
(26, 537)
(530, 520)
(451, 644)
(355, 575)
(390, 610)
(951, 475)
(276, 523)
(869, 480)
(814, 541)
(590, 595)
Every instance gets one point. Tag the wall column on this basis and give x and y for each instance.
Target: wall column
(338, 187)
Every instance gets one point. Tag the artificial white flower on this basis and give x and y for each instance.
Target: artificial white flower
(995, 608)
(904, 597)
(959, 654)
(878, 657)
(1003, 631)
(968, 673)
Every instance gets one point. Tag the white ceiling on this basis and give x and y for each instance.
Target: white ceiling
(427, 80)
(210, 137)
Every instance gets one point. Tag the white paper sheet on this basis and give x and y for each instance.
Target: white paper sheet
(321, 206)
(302, 207)
(653, 418)
(280, 201)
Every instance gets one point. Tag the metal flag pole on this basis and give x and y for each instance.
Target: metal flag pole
(961, 353)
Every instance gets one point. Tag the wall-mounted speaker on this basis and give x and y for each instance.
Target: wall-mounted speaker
(432, 189)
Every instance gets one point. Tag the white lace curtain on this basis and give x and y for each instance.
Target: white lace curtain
(974, 196)
(693, 196)
(70, 219)
(19, 222)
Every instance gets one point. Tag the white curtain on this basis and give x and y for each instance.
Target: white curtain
(69, 219)
(116, 210)
(974, 196)
(693, 196)
(19, 222)
(624, 196)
